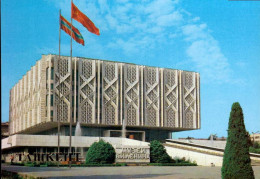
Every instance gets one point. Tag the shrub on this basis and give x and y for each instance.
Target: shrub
(236, 160)
(254, 150)
(158, 153)
(256, 145)
(100, 152)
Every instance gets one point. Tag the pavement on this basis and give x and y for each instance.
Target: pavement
(156, 172)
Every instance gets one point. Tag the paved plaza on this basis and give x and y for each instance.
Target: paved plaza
(122, 172)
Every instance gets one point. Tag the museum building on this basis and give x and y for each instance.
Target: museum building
(152, 102)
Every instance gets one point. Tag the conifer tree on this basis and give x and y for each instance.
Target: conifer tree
(236, 160)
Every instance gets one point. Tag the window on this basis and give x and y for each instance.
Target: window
(46, 100)
(52, 100)
(47, 73)
(51, 113)
(52, 86)
(52, 73)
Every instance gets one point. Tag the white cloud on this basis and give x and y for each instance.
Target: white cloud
(195, 31)
(209, 60)
(169, 19)
(138, 26)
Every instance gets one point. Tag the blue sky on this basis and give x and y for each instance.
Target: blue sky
(220, 39)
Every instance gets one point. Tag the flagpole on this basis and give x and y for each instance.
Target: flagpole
(59, 98)
(71, 87)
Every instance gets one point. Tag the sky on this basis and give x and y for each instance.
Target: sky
(220, 39)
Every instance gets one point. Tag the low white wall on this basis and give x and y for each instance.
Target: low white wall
(51, 141)
(200, 158)
(209, 143)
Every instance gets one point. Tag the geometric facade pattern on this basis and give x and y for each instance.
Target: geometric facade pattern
(131, 95)
(104, 93)
(151, 96)
(189, 99)
(171, 98)
(87, 91)
(110, 93)
(62, 89)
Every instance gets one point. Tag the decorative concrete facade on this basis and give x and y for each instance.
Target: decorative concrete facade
(102, 94)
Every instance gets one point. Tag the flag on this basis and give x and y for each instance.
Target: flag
(66, 26)
(83, 19)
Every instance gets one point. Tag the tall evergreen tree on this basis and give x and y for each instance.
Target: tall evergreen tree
(236, 160)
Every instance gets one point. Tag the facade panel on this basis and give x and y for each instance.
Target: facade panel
(151, 97)
(189, 99)
(131, 97)
(171, 98)
(110, 93)
(62, 88)
(87, 96)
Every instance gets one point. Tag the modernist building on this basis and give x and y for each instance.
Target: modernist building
(153, 102)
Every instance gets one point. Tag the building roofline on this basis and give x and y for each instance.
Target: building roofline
(121, 62)
(95, 59)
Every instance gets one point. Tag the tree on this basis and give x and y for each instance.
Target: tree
(101, 152)
(158, 153)
(236, 160)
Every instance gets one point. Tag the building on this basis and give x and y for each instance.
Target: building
(151, 102)
(255, 137)
(4, 130)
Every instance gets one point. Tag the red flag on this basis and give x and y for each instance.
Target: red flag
(66, 26)
(83, 19)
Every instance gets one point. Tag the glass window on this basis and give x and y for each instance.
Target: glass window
(51, 113)
(47, 72)
(52, 100)
(46, 100)
(52, 73)
(52, 86)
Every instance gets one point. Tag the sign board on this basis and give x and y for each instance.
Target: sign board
(133, 154)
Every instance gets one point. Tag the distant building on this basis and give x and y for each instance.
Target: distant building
(4, 130)
(255, 137)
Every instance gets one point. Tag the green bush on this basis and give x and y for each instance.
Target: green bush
(256, 145)
(158, 153)
(236, 160)
(100, 152)
(254, 150)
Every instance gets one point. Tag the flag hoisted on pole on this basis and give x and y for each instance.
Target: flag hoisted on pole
(66, 26)
(76, 35)
(83, 19)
